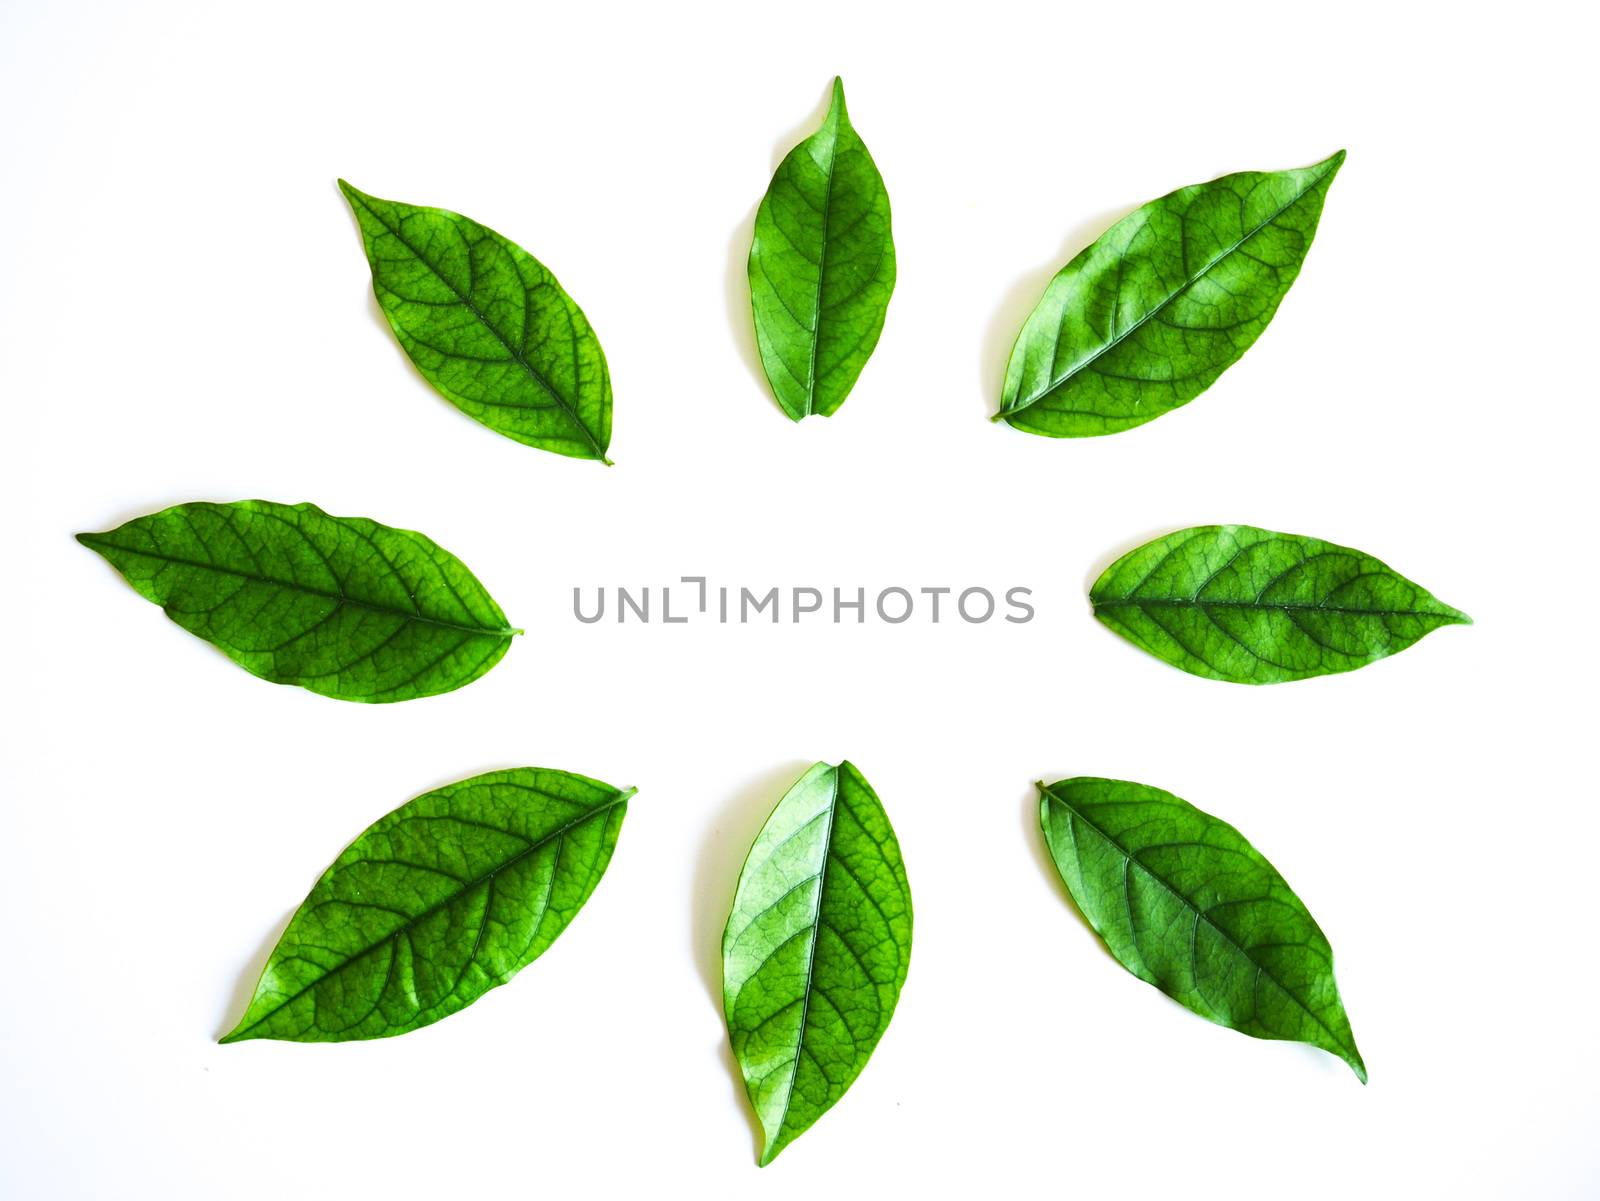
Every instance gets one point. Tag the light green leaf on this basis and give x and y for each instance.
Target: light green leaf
(816, 949)
(1171, 296)
(488, 326)
(1231, 602)
(449, 896)
(340, 605)
(821, 267)
(1186, 903)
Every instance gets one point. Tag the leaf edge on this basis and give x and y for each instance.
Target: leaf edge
(354, 195)
(1357, 1064)
(620, 799)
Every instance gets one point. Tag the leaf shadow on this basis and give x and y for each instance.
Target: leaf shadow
(1034, 837)
(736, 278)
(381, 320)
(737, 290)
(251, 976)
(246, 987)
(148, 508)
(716, 874)
(374, 309)
(196, 645)
(1327, 1064)
(1131, 543)
(1023, 295)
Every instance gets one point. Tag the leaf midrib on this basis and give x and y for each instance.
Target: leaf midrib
(95, 542)
(416, 920)
(1201, 914)
(516, 355)
(811, 968)
(1186, 603)
(1078, 367)
(822, 259)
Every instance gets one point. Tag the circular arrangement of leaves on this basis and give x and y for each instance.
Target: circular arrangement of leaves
(457, 890)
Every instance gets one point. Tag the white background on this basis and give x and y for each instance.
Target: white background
(186, 315)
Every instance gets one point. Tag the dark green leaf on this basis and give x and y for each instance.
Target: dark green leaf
(488, 326)
(447, 897)
(821, 267)
(1186, 903)
(1146, 319)
(340, 605)
(816, 949)
(1231, 602)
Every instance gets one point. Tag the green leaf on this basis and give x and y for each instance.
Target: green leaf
(1186, 903)
(821, 267)
(432, 906)
(1168, 299)
(340, 605)
(816, 949)
(488, 326)
(1231, 602)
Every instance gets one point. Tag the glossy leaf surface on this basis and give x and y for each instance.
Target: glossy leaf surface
(340, 605)
(816, 949)
(1186, 903)
(821, 267)
(488, 326)
(1235, 603)
(1171, 296)
(445, 898)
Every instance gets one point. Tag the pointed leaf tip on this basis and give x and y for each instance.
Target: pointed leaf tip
(329, 979)
(1073, 376)
(825, 860)
(550, 386)
(445, 630)
(1252, 606)
(816, 329)
(1234, 945)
